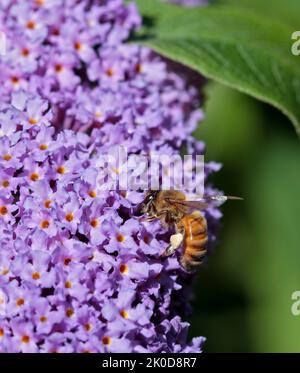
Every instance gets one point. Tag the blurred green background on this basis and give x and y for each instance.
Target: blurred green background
(243, 295)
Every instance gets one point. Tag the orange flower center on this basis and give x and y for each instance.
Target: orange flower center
(69, 312)
(94, 223)
(34, 176)
(7, 157)
(67, 261)
(77, 45)
(110, 72)
(45, 224)
(25, 52)
(138, 68)
(68, 284)
(59, 68)
(106, 340)
(69, 217)
(5, 183)
(61, 170)
(55, 32)
(25, 339)
(32, 121)
(20, 302)
(3, 210)
(146, 240)
(92, 193)
(36, 276)
(120, 238)
(88, 327)
(47, 203)
(31, 25)
(123, 268)
(14, 79)
(43, 147)
(124, 314)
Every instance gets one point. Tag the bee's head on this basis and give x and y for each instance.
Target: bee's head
(149, 201)
(151, 196)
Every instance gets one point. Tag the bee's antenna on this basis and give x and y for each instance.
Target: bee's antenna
(222, 199)
(235, 198)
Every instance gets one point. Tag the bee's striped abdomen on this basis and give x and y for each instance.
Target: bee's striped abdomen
(195, 228)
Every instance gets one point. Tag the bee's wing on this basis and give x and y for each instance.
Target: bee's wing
(203, 203)
(199, 205)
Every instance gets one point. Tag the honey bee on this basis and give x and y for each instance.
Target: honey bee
(173, 210)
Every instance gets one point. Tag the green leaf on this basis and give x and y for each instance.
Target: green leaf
(287, 10)
(233, 46)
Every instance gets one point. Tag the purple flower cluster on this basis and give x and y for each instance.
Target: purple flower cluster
(79, 272)
(72, 53)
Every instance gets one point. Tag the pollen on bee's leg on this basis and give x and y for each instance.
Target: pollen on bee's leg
(176, 240)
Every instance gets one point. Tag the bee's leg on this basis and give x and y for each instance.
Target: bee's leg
(175, 242)
(153, 217)
(147, 218)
